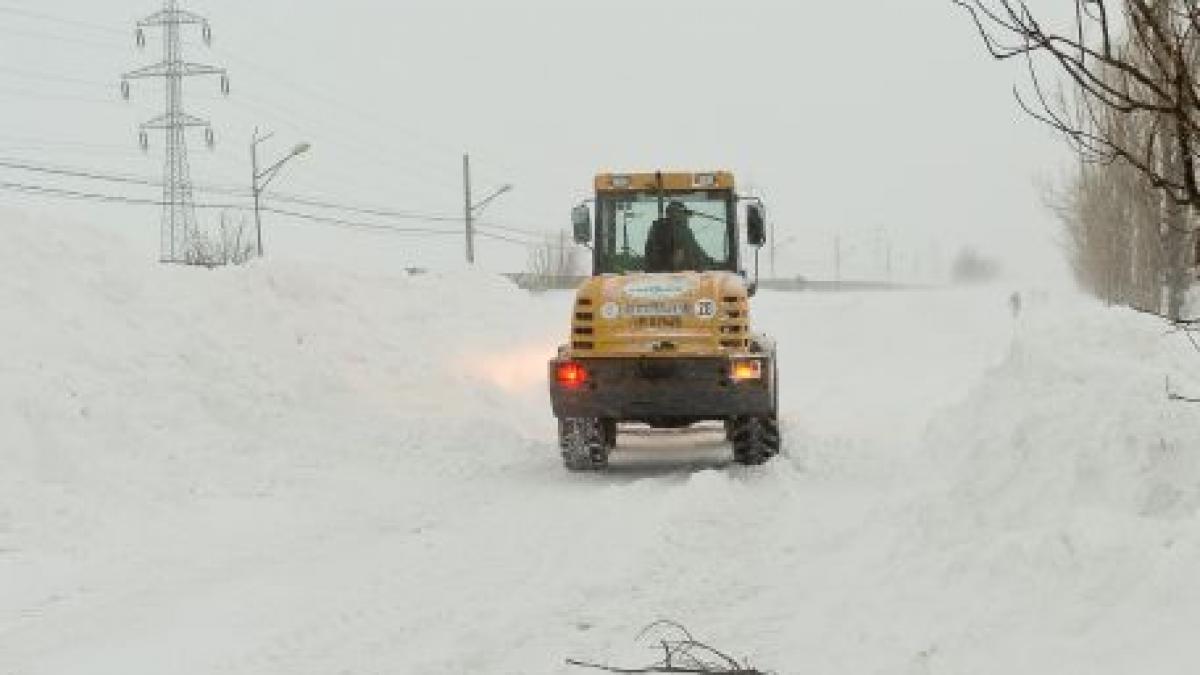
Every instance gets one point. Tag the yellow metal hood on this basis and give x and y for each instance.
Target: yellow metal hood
(661, 315)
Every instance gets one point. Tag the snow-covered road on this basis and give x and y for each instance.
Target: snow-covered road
(311, 470)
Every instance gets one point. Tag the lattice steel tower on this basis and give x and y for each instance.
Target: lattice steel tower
(179, 212)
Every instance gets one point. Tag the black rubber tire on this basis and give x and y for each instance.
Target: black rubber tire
(583, 443)
(755, 439)
(609, 428)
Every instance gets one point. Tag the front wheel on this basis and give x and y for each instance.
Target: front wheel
(585, 443)
(755, 439)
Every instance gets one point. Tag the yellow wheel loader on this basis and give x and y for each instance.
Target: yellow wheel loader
(660, 333)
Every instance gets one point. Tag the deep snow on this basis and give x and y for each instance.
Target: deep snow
(310, 469)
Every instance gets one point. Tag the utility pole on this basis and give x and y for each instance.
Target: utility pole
(471, 209)
(468, 210)
(563, 269)
(837, 258)
(254, 141)
(178, 229)
(774, 243)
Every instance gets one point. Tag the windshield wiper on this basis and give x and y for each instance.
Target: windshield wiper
(716, 219)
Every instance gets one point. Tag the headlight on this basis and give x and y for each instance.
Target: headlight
(746, 369)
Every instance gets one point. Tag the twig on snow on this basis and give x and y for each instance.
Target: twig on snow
(684, 654)
(1179, 397)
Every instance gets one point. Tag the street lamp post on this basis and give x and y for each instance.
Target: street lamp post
(775, 245)
(471, 209)
(259, 180)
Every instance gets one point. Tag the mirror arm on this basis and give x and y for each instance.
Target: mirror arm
(754, 286)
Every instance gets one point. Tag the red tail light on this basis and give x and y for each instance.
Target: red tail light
(571, 375)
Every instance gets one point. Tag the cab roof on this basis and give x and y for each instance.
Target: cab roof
(671, 180)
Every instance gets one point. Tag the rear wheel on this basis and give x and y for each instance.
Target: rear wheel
(585, 442)
(755, 439)
(609, 427)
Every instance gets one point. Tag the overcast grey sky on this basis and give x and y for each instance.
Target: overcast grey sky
(873, 121)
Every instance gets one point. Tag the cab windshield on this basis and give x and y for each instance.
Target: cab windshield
(700, 236)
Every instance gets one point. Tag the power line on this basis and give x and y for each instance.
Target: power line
(345, 105)
(364, 210)
(77, 173)
(515, 230)
(31, 94)
(343, 100)
(358, 146)
(66, 147)
(303, 90)
(309, 217)
(71, 172)
(22, 165)
(43, 77)
(490, 230)
(37, 35)
(528, 238)
(30, 14)
(43, 142)
(351, 146)
(141, 201)
(97, 196)
(340, 222)
(499, 237)
(331, 107)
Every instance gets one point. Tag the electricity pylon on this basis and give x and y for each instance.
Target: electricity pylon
(179, 212)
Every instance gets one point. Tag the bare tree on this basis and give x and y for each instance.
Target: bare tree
(1131, 67)
(551, 261)
(972, 268)
(227, 245)
(1110, 215)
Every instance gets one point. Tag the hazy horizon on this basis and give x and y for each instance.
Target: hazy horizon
(883, 128)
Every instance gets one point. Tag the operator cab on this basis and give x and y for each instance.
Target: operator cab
(693, 215)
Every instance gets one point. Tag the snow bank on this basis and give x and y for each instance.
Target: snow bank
(149, 413)
(1059, 532)
(1078, 416)
(109, 356)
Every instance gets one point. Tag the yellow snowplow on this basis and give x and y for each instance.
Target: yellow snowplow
(660, 333)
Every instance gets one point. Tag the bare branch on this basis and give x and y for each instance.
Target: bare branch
(1172, 396)
(686, 655)
(1152, 75)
